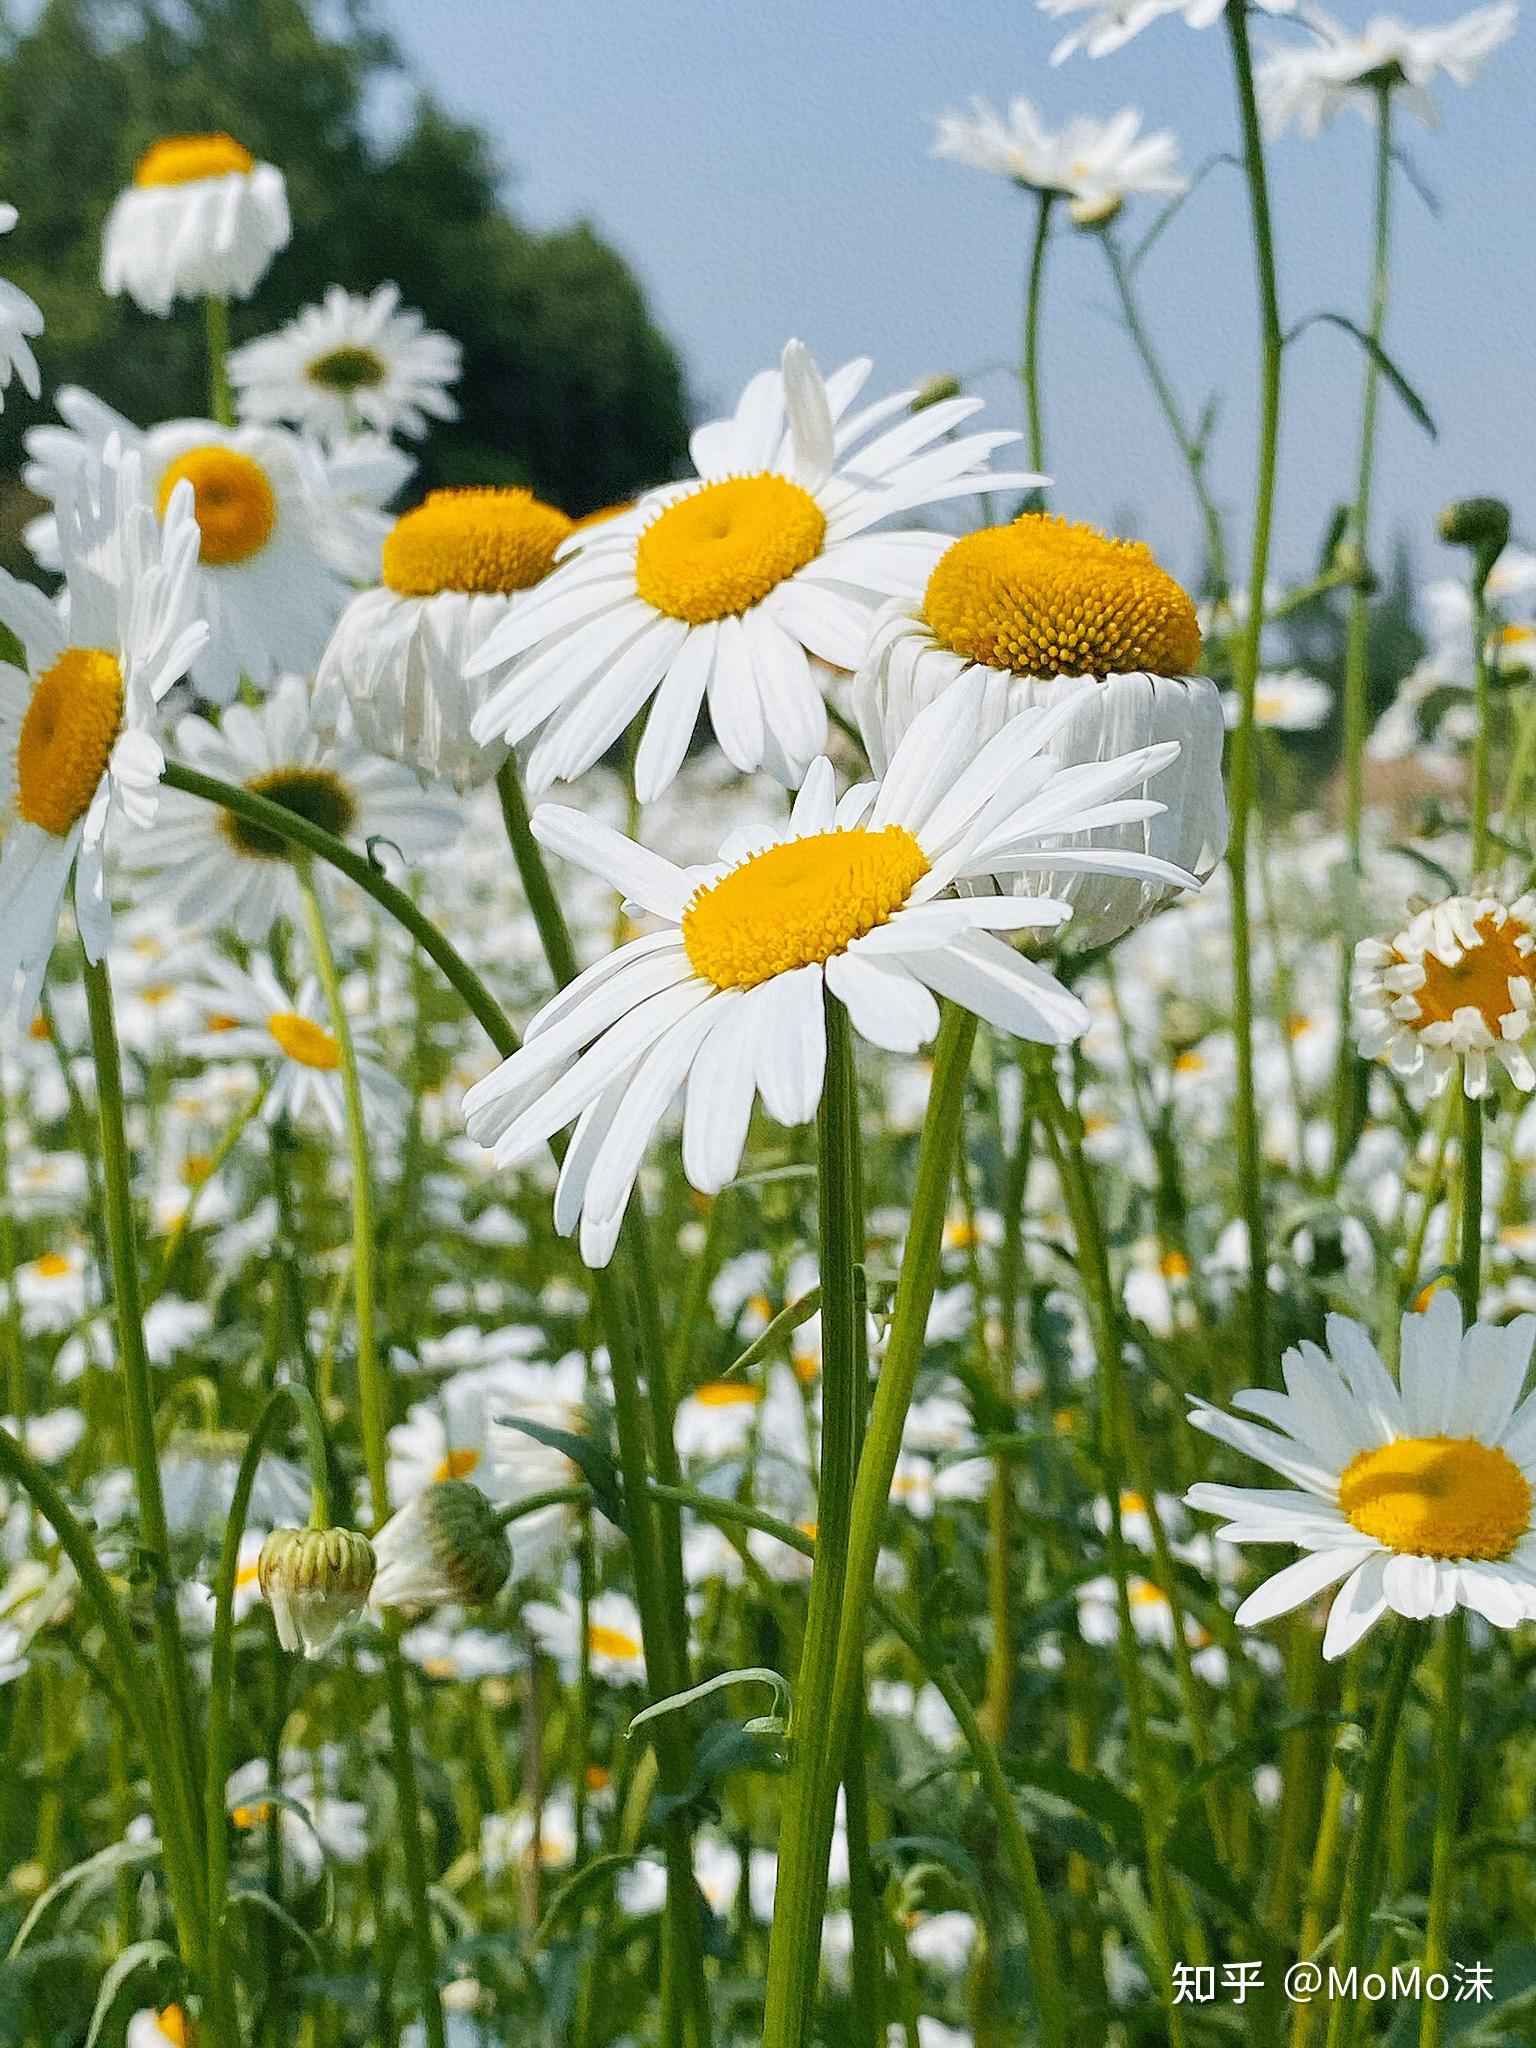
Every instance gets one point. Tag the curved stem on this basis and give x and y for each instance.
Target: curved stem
(532, 872)
(1029, 368)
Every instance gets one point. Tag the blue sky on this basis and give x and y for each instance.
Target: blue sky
(766, 171)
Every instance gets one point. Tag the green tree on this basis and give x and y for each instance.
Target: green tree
(567, 385)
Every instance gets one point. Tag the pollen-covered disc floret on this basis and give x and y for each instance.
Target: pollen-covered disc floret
(487, 540)
(233, 497)
(1416, 1493)
(1046, 597)
(721, 549)
(1456, 986)
(67, 735)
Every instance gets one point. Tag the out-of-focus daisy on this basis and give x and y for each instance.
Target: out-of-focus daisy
(20, 324)
(218, 869)
(1112, 23)
(1285, 700)
(452, 570)
(612, 1637)
(1457, 984)
(251, 1016)
(202, 218)
(314, 1824)
(1307, 84)
(732, 588)
(1418, 1496)
(1043, 614)
(346, 363)
(716, 1421)
(52, 1289)
(198, 1470)
(162, 2026)
(1094, 163)
(855, 899)
(76, 741)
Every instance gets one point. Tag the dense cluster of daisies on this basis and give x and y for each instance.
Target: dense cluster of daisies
(303, 797)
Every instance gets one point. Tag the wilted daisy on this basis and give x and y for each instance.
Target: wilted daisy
(20, 324)
(1417, 1495)
(346, 363)
(1094, 163)
(1112, 23)
(219, 869)
(855, 899)
(452, 570)
(201, 218)
(76, 740)
(1285, 700)
(1043, 614)
(731, 589)
(1457, 984)
(251, 1016)
(1305, 85)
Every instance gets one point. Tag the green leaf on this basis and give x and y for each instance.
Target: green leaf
(101, 1864)
(592, 1461)
(575, 1889)
(138, 1955)
(1379, 357)
(757, 1674)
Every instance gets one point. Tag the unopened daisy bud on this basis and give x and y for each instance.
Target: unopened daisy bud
(444, 1545)
(1481, 523)
(935, 390)
(1096, 213)
(315, 1581)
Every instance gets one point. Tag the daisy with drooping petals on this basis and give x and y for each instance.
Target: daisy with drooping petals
(251, 1016)
(222, 869)
(202, 218)
(452, 570)
(730, 589)
(1094, 163)
(1417, 1495)
(349, 362)
(1306, 85)
(854, 900)
(1044, 614)
(20, 324)
(1112, 23)
(76, 739)
(1458, 983)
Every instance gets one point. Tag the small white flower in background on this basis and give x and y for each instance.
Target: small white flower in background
(77, 746)
(1456, 986)
(717, 1421)
(165, 2026)
(1307, 84)
(1418, 1494)
(219, 870)
(613, 1642)
(350, 362)
(852, 899)
(53, 1289)
(1094, 163)
(314, 1825)
(461, 1655)
(1112, 23)
(1284, 700)
(20, 324)
(202, 218)
(737, 589)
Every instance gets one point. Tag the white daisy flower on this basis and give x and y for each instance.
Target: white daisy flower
(53, 1290)
(219, 869)
(1458, 983)
(1112, 23)
(1285, 700)
(76, 740)
(20, 324)
(1417, 1495)
(452, 570)
(251, 1016)
(1040, 614)
(733, 588)
(1094, 163)
(855, 899)
(716, 1420)
(351, 361)
(276, 541)
(613, 1637)
(202, 218)
(1306, 85)
(165, 2026)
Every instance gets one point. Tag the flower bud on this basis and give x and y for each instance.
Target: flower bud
(444, 1545)
(315, 1581)
(1096, 213)
(1480, 523)
(935, 390)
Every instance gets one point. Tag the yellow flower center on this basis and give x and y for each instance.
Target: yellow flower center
(1480, 979)
(1044, 597)
(175, 2026)
(727, 1394)
(347, 369)
(476, 540)
(232, 498)
(67, 735)
(457, 1465)
(1438, 1496)
(721, 549)
(797, 904)
(1143, 1593)
(612, 1642)
(183, 159)
(302, 1039)
(51, 1266)
(247, 1817)
(314, 794)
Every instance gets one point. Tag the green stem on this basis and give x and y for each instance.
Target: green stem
(1482, 745)
(1029, 368)
(554, 934)
(1250, 651)
(1469, 1265)
(1360, 1884)
(221, 404)
(10, 1259)
(1447, 1746)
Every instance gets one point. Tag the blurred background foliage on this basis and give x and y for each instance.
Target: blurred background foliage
(568, 386)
